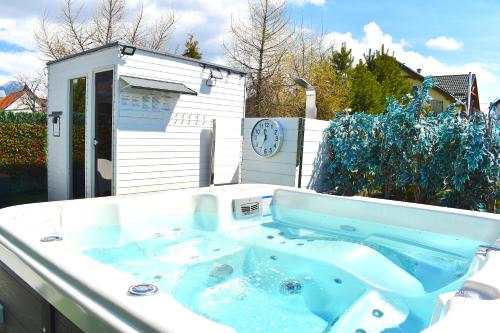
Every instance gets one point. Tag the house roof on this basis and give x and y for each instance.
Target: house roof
(457, 85)
(202, 63)
(9, 99)
(438, 87)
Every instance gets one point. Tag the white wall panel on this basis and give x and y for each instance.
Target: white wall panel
(226, 151)
(175, 150)
(314, 154)
(281, 169)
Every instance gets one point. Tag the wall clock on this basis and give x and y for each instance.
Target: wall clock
(267, 137)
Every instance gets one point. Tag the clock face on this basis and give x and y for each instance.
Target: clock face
(267, 137)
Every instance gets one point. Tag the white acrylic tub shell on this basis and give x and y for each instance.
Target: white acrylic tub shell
(94, 296)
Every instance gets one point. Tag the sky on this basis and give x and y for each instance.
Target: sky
(439, 36)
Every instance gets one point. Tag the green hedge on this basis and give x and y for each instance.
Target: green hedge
(23, 118)
(23, 151)
(22, 144)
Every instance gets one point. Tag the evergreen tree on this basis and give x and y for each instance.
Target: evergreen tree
(192, 50)
(387, 71)
(366, 92)
(342, 60)
(376, 79)
(370, 59)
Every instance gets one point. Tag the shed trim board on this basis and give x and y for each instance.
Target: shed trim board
(171, 55)
(146, 143)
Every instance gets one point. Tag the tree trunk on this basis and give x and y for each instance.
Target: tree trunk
(417, 194)
(258, 88)
(492, 204)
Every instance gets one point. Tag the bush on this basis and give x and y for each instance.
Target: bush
(23, 118)
(446, 159)
(23, 154)
(22, 144)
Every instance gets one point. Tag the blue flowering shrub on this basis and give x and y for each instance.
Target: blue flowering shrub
(412, 154)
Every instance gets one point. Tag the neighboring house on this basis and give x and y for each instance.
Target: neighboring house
(449, 89)
(23, 101)
(495, 104)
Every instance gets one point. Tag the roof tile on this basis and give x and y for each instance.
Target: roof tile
(9, 99)
(455, 84)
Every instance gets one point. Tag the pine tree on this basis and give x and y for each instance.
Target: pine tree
(342, 60)
(370, 59)
(192, 50)
(387, 71)
(366, 92)
(376, 79)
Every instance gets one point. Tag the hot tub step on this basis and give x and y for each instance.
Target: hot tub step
(372, 313)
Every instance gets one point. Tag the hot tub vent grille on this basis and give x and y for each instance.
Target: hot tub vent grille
(247, 208)
(250, 209)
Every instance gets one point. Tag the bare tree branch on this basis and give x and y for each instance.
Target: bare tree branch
(34, 89)
(162, 31)
(260, 45)
(108, 21)
(135, 34)
(69, 32)
(48, 41)
(73, 27)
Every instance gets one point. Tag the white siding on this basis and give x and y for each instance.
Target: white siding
(314, 154)
(173, 151)
(227, 151)
(281, 169)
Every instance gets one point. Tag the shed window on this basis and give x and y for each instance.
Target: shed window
(437, 106)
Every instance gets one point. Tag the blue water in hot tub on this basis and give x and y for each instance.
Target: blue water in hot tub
(324, 275)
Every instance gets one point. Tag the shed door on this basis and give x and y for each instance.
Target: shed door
(226, 151)
(103, 133)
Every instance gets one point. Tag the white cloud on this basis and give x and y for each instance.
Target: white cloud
(23, 62)
(18, 32)
(305, 2)
(444, 43)
(207, 20)
(374, 37)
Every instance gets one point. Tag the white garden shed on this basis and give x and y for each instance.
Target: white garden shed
(123, 120)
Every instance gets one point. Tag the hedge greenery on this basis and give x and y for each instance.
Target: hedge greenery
(23, 151)
(22, 144)
(38, 118)
(414, 155)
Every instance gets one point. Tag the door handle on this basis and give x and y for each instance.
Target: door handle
(96, 142)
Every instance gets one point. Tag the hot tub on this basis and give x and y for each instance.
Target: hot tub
(250, 258)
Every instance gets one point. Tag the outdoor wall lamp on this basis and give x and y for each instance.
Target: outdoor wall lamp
(128, 50)
(56, 123)
(215, 74)
(311, 111)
